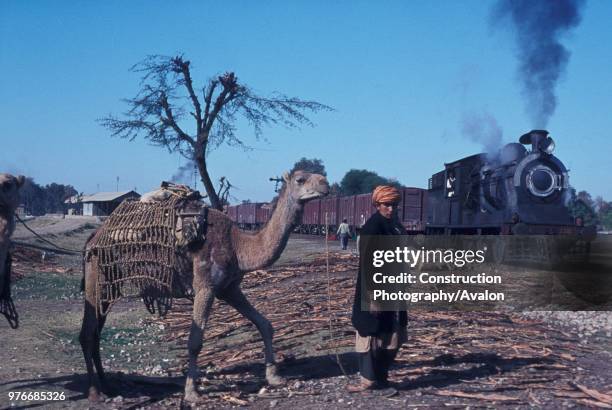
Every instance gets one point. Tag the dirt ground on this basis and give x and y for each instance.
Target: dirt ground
(451, 360)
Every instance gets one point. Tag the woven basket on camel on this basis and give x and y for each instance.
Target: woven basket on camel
(136, 250)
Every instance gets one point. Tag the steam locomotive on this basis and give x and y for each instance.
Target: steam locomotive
(513, 191)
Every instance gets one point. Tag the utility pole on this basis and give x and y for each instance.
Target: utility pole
(117, 184)
(277, 181)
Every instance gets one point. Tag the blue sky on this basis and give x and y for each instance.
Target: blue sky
(400, 75)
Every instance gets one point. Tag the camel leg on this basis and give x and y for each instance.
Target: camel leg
(202, 306)
(236, 299)
(96, 351)
(91, 327)
(87, 337)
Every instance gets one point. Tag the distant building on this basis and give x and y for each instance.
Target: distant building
(103, 203)
(73, 205)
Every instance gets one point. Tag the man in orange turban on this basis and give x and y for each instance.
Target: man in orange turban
(379, 333)
(385, 194)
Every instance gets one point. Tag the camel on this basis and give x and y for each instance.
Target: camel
(216, 268)
(9, 199)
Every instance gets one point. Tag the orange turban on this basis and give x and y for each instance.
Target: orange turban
(385, 194)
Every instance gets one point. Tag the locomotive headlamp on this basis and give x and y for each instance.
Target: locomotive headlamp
(548, 145)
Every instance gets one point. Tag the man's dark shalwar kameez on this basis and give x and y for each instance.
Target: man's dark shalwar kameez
(379, 334)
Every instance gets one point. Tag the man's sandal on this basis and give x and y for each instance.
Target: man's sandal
(362, 386)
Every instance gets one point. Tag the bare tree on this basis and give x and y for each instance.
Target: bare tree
(168, 98)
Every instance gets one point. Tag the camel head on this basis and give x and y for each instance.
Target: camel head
(9, 190)
(303, 186)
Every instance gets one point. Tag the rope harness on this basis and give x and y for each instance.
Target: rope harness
(65, 250)
(136, 248)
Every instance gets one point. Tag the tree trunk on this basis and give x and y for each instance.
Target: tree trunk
(208, 185)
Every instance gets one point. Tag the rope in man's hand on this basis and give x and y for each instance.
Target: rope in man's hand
(329, 304)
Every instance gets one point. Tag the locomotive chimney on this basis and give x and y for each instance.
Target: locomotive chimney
(535, 138)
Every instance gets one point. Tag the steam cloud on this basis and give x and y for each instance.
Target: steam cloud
(538, 25)
(484, 129)
(183, 173)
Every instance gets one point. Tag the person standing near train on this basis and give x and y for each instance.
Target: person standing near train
(344, 231)
(379, 334)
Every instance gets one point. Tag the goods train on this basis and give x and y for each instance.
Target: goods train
(513, 191)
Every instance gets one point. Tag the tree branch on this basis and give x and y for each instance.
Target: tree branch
(184, 69)
(208, 99)
(170, 121)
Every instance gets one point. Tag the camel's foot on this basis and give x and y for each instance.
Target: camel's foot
(272, 376)
(192, 397)
(191, 393)
(95, 396)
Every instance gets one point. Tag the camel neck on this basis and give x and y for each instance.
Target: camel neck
(255, 251)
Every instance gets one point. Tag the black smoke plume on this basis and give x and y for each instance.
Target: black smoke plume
(184, 173)
(539, 26)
